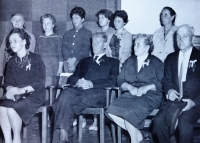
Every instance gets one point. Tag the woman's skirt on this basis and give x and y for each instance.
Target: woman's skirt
(134, 109)
(25, 107)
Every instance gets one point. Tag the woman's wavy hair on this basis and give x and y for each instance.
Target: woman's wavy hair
(148, 40)
(53, 19)
(122, 14)
(108, 14)
(22, 34)
(79, 11)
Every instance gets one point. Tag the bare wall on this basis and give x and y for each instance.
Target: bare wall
(144, 14)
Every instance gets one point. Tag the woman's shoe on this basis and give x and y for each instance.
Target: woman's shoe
(93, 128)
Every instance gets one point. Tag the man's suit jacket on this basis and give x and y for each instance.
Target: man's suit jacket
(102, 75)
(191, 87)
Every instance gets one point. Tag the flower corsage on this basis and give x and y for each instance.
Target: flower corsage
(192, 64)
(146, 62)
(28, 67)
(101, 60)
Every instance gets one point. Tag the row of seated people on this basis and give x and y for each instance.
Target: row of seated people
(62, 54)
(143, 78)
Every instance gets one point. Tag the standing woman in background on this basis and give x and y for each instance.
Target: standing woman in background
(49, 48)
(164, 38)
(25, 75)
(121, 41)
(105, 21)
(17, 21)
(76, 43)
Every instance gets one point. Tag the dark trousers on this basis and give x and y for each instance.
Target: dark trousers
(73, 101)
(186, 122)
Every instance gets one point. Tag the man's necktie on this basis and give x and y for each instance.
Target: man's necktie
(95, 58)
(180, 79)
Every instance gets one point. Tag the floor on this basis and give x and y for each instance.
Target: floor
(88, 136)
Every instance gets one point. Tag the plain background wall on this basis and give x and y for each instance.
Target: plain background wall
(144, 14)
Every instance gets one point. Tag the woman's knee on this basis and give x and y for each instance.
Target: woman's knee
(11, 112)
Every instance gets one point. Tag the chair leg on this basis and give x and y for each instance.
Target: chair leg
(119, 135)
(113, 132)
(80, 128)
(51, 95)
(24, 132)
(44, 124)
(102, 122)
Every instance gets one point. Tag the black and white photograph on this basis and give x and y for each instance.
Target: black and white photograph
(99, 71)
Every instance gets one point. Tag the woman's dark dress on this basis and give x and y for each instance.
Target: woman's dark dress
(21, 77)
(135, 109)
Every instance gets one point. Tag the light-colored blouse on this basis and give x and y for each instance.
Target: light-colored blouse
(164, 46)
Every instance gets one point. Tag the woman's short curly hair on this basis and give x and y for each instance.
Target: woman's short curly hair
(122, 14)
(108, 14)
(79, 11)
(22, 34)
(148, 40)
(50, 16)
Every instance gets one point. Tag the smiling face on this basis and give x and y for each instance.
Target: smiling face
(103, 21)
(17, 21)
(77, 21)
(98, 45)
(140, 47)
(166, 17)
(16, 42)
(47, 25)
(184, 38)
(118, 23)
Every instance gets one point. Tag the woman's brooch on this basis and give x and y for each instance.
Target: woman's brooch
(28, 67)
(192, 64)
(146, 62)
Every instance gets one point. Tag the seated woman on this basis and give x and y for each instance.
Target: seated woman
(121, 41)
(25, 75)
(17, 21)
(140, 79)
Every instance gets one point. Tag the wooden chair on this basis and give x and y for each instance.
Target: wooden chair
(44, 110)
(147, 123)
(100, 112)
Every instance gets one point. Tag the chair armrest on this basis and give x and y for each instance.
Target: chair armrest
(109, 94)
(51, 88)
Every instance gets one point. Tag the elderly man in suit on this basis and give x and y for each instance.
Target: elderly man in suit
(92, 75)
(181, 84)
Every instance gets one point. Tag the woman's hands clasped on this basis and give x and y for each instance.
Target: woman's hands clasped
(139, 91)
(11, 91)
